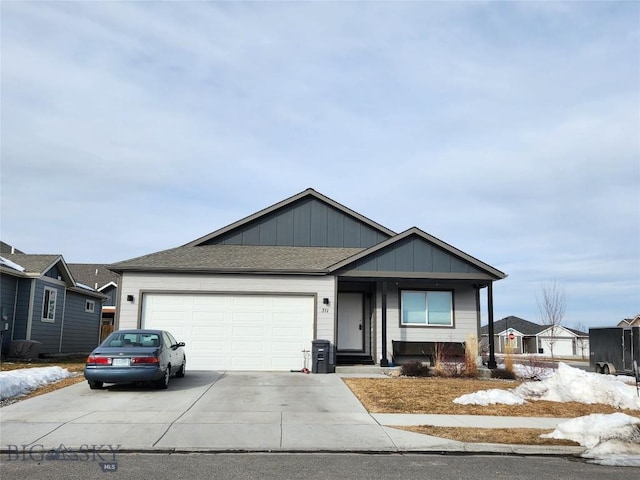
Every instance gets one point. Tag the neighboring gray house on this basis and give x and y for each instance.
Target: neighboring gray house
(524, 336)
(40, 300)
(254, 294)
(103, 280)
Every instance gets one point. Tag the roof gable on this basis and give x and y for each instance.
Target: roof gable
(415, 253)
(308, 219)
(35, 266)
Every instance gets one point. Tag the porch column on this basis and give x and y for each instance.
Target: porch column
(384, 362)
(492, 351)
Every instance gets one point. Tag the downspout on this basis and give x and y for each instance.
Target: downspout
(384, 362)
(116, 316)
(492, 352)
(478, 315)
(64, 308)
(32, 296)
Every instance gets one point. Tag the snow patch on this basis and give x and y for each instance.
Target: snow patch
(566, 384)
(16, 383)
(612, 439)
(490, 397)
(569, 384)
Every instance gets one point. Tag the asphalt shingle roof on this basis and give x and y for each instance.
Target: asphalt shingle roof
(5, 249)
(239, 258)
(91, 274)
(521, 325)
(33, 263)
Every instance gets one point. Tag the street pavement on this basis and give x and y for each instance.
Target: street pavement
(235, 412)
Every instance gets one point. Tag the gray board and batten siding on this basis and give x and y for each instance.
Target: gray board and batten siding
(414, 255)
(307, 222)
(47, 333)
(84, 325)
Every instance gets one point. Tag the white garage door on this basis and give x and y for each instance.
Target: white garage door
(235, 332)
(562, 347)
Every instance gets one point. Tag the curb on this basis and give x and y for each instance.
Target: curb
(463, 449)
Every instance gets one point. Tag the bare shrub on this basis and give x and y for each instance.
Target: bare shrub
(508, 358)
(503, 374)
(415, 369)
(449, 363)
(471, 357)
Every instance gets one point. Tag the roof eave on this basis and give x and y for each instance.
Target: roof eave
(239, 271)
(467, 277)
(90, 293)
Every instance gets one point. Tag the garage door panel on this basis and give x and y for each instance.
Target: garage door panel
(209, 301)
(287, 332)
(211, 331)
(241, 332)
(249, 301)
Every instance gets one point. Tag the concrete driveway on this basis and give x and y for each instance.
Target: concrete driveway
(207, 411)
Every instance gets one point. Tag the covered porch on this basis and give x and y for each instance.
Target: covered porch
(386, 320)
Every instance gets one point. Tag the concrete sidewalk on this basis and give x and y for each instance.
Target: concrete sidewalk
(239, 411)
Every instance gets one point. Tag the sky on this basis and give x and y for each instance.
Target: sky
(510, 130)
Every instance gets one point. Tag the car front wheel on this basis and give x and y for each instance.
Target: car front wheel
(95, 385)
(163, 383)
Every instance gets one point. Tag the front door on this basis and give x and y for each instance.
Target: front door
(351, 322)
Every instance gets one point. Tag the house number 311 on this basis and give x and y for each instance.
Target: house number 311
(324, 310)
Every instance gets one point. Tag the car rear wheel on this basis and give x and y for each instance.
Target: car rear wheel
(95, 385)
(606, 370)
(163, 383)
(180, 372)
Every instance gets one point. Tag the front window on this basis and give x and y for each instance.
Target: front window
(427, 308)
(49, 305)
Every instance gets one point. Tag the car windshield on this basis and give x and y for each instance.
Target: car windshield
(132, 340)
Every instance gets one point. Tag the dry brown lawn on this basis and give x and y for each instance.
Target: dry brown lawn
(435, 395)
(511, 436)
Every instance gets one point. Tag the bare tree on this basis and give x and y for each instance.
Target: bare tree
(552, 304)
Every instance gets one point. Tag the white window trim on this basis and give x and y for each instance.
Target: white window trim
(427, 324)
(89, 306)
(44, 303)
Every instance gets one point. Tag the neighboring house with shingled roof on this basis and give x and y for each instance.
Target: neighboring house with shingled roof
(524, 336)
(41, 301)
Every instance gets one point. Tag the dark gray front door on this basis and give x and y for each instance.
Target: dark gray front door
(351, 321)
